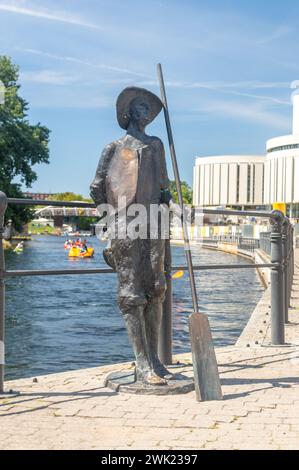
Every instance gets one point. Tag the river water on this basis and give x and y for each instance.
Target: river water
(58, 323)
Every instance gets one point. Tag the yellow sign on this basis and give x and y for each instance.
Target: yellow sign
(280, 206)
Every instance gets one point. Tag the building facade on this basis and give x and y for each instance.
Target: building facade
(228, 180)
(282, 167)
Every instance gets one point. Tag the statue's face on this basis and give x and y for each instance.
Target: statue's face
(139, 111)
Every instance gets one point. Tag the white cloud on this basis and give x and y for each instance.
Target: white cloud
(82, 62)
(228, 88)
(53, 77)
(252, 113)
(234, 88)
(278, 33)
(50, 77)
(64, 17)
(68, 97)
(253, 84)
(259, 97)
(215, 85)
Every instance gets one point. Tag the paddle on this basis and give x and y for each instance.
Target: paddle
(206, 376)
(177, 275)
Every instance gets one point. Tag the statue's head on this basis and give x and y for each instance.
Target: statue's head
(139, 111)
(138, 105)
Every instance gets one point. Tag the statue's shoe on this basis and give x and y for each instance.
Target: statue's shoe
(150, 378)
(170, 376)
(154, 379)
(161, 371)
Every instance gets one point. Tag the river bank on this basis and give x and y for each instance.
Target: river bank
(74, 410)
(257, 330)
(72, 322)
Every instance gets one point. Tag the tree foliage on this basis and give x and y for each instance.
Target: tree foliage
(22, 145)
(186, 192)
(68, 197)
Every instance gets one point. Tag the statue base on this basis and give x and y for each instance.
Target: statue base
(9, 394)
(125, 381)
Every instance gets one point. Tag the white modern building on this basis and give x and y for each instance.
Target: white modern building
(229, 180)
(282, 167)
(252, 180)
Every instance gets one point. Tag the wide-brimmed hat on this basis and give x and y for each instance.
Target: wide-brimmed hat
(125, 99)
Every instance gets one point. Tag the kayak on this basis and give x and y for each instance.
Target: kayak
(18, 250)
(75, 252)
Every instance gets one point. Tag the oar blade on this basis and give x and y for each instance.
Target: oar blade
(206, 376)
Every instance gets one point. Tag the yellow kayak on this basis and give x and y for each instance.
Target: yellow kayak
(75, 252)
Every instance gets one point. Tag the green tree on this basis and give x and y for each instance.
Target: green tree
(22, 145)
(84, 223)
(69, 196)
(186, 192)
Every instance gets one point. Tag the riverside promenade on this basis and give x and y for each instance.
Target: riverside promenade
(260, 409)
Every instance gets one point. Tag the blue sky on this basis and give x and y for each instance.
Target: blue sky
(228, 67)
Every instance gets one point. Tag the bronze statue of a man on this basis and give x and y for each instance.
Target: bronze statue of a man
(133, 167)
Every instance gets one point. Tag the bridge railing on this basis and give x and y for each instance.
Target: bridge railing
(281, 265)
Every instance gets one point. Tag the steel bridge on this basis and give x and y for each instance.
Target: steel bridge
(66, 211)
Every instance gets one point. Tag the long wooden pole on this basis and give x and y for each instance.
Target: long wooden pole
(179, 189)
(206, 376)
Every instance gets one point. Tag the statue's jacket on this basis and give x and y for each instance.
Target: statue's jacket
(135, 172)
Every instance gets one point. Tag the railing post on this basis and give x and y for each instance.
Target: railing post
(165, 334)
(293, 255)
(289, 265)
(277, 281)
(285, 266)
(291, 261)
(3, 206)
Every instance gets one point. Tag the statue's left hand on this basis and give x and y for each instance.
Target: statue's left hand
(166, 197)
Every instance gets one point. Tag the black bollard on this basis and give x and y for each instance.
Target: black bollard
(277, 281)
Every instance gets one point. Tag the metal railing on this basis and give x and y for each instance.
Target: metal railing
(265, 242)
(210, 241)
(248, 244)
(242, 243)
(282, 270)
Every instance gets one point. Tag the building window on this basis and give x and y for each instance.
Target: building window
(253, 185)
(248, 182)
(263, 184)
(284, 147)
(238, 183)
(276, 181)
(295, 211)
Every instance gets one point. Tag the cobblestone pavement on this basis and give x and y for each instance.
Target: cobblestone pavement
(74, 410)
